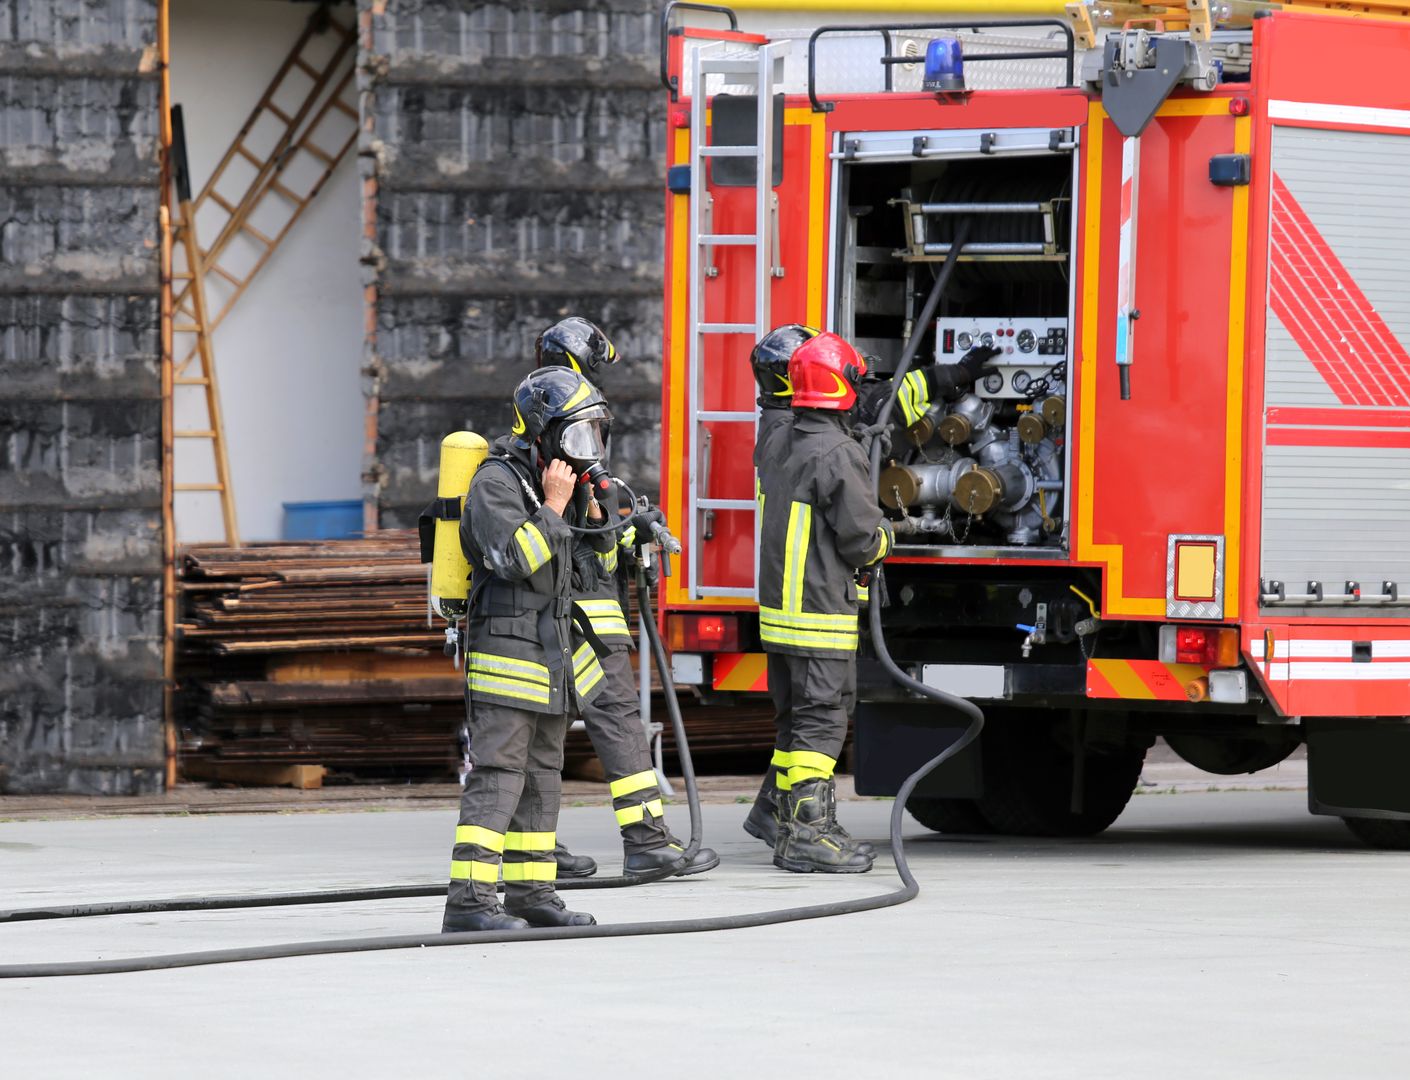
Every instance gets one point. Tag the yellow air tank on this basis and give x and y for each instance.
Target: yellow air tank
(461, 454)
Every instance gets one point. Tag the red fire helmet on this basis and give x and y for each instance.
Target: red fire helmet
(825, 371)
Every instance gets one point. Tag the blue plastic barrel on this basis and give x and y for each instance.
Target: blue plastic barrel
(323, 520)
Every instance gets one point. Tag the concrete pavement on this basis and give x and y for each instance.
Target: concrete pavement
(1218, 934)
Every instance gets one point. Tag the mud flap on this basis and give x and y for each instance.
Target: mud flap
(1359, 769)
(892, 739)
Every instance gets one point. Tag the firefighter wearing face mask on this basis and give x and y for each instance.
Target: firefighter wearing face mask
(821, 522)
(613, 717)
(529, 660)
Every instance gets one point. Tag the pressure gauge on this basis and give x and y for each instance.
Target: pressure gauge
(1021, 379)
(1027, 342)
(986, 339)
(964, 341)
(994, 381)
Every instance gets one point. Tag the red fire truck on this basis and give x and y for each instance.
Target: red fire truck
(1179, 504)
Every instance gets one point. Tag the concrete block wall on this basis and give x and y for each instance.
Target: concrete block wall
(513, 162)
(80, 400)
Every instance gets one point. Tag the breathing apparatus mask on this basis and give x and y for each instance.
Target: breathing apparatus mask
(581, 442)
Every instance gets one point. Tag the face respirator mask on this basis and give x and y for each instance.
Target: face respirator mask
(581, 442)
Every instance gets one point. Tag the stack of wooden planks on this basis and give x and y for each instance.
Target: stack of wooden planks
(321, 653)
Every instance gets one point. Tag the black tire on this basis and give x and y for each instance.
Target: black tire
(1028, 781)
(1380, 832)
(948, 815)
(1229, 755)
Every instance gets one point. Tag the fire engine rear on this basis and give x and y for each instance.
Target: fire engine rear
(1177, 502)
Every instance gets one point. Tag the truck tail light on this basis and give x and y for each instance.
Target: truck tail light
(703, 632)
(1208, 646)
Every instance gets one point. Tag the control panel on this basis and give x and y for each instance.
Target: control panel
(1029, 349)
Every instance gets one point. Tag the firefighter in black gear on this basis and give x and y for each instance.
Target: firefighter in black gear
(821, 522)
(769, 359)
(527, 662)
(613, 717)
(921, 389)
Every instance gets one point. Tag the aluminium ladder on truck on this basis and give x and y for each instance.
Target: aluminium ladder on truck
(761, 67)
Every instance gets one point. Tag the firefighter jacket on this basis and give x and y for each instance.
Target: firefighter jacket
(820, 523)
(772, 436)
(523, 649)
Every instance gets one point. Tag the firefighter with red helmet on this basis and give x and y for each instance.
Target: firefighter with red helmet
(923, 387)
(613, 716)
(527, 664)
(821, 522)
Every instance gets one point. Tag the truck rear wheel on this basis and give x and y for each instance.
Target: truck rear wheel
(1028, 781)
(1380, 832)
(948, 815)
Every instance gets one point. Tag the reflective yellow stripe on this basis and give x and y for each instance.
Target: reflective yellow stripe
(506, 687)
(810, 765)
(914, 397)
(636, 782)
(781, 757)
(530, 841)
(795, 554)
(781, 781)
(473, 870)
(839, 622)
(608, 559)
(526, 670)
(627, 537)
(808, 639)
(478, 834)
(630, 815)
(531, 871)
(863, 594)
(532, 544)
(606, 617)
(885, 545)
(585, 680)
(582, 656)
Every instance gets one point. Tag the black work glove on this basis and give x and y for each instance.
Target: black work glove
(977, 359)
(642, 522)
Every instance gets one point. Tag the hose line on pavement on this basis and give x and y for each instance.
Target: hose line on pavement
(907, 891)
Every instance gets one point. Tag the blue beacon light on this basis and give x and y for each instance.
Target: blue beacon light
(944, 66)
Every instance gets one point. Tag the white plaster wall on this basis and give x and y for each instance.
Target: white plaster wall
(289, 353)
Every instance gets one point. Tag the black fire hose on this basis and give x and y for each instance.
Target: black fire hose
(909, 889)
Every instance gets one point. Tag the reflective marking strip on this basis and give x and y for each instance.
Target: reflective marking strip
(587, 672)
(795, 554)
(806, 765)
(608, 559)
(781, 757)
(505, 687)
(883, 547)
(747, 672)
(1326, 649)
(636, 782)
(810, 620)
(1146, 680)
(863, 594)
(473, 870)
(478, 834)
(532, 544)
(526, 670)
(585, 682)
(1311, 671)
(606, 617)
(808, 639)
(630, 815)
(1318, 113)
(627, 538)
(582, 656)
(529, 841)
(531, 871)
(914, 397)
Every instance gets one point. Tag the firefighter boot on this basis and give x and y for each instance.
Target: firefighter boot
(805, 840)
(495, 918)
(548, 911)
(573, 866)
(648, 863)
(835, 827)
(762, 822)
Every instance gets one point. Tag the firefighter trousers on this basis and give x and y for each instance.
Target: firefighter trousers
(509, 808)
(613, 722)
(813, 700)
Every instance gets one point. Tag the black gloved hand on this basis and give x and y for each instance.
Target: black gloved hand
(643, 520)
(978, 358)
